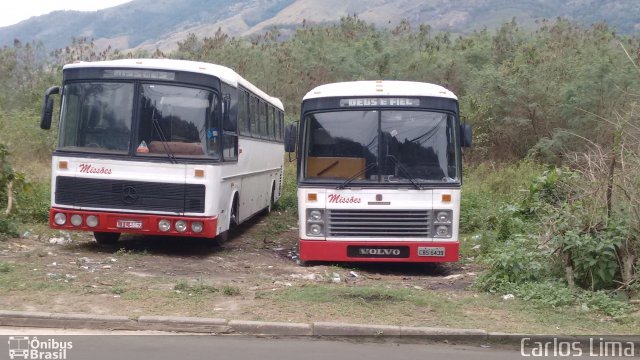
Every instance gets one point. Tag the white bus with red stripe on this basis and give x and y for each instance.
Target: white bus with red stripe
(162, 147)
(379, 172)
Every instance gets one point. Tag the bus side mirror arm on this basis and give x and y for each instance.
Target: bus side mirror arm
(466, 133)
(46, 113)
(290, 137)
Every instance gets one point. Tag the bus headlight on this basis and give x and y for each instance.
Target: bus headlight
(181, 226)
(196, 227)
(315, 215)
(442, 231)
(60, 219)
(315, 222)
(443, 216)
(314, 230)
(76, 220)
(92, 221)
(164, 225)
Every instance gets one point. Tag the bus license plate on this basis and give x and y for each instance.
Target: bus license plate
(129, 224)
(430, 251)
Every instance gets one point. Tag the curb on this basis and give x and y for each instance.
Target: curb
(221, 326)
(183, 324)
(65, 321)
(284, 329)
(271, 328)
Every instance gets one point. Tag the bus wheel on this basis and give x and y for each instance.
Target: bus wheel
(234, 220)
(220, 239)
(303, 263)
(106, 237)
(233, 223)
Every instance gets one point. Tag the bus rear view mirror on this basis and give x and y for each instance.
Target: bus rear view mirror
(46, 112)
(290, 136)
(467, 135)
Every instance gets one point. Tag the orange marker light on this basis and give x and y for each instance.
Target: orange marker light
(199, 173)
(312, 197)
(63, 165)
(446, 198)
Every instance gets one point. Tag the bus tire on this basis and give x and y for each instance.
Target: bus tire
(234, 218)
(220, 239)
(106, 237)
(272, 199)
(233, 223)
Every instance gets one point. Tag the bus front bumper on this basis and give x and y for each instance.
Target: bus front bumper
(378, 251)
(133, 223)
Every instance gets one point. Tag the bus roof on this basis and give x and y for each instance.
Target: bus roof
(225, 74)
(379, 88)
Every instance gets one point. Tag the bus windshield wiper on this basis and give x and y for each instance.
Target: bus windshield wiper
(405, 171)
(355, 176)
(163, 139)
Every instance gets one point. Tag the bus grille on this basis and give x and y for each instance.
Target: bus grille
(378, 223)
(130, 195)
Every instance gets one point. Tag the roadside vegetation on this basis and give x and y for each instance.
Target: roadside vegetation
(551, 200)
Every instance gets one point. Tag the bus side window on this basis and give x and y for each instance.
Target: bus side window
(281, 125)
(253, 116)
(243, 112)
(263, 120)
(229, 129)
(272, 123)
(212, 133)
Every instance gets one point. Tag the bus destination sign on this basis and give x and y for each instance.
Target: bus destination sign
(140, 74)
(361, 102)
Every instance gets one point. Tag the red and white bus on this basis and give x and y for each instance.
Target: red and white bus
(379, 172)
(162, 147)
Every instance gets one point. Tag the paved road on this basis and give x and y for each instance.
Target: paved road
(160, 346)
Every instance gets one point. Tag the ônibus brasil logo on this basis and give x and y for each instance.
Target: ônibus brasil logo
(25, 347)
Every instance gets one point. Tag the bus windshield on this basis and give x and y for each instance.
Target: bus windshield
(178, 121)
(381, 146)
(97, 117)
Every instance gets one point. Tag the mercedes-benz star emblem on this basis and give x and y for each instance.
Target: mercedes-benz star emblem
(129, 194)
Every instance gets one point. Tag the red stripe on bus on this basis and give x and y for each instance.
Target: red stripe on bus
(320, 250)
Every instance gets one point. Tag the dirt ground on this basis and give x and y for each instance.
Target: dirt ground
(253, 276)
(248, 261)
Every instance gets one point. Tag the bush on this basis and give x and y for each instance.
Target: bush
(517, 261)
(546, 293)
(593, 256)
(33, 203)
(603, 301)
(289, 198)
(8, 228)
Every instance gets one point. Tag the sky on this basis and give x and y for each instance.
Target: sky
(14, 11)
